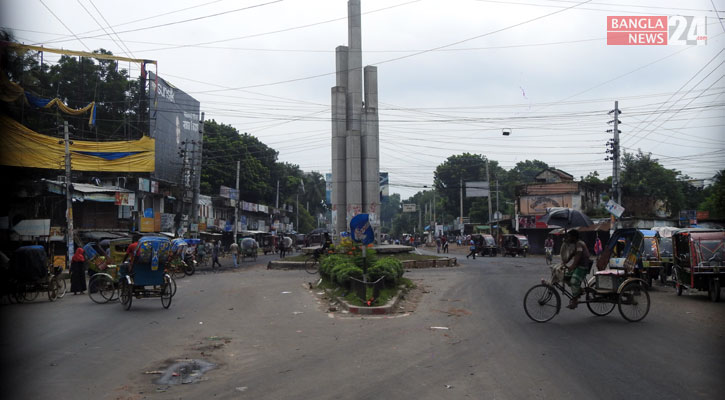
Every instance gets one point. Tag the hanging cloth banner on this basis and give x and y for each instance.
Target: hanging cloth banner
(22, 147)
(47, 103)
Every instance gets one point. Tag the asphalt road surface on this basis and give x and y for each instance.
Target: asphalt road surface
(270, 338)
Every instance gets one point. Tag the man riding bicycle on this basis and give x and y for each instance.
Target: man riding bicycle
(578, 265)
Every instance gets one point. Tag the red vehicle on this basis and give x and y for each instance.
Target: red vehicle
(515, 245)
(698, 257)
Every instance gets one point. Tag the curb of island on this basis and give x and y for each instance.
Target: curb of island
(407, 264)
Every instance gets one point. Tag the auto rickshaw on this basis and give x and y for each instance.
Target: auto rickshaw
(699, 264)
(515, 245)
(148, 277)
(269, 244)
(248, 248)
(489, 247)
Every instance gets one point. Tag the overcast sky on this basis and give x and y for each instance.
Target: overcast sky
(452, 74)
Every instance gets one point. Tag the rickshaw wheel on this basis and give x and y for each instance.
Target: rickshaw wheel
(189, 269)
(173, 285)
(713, 290)
(597, 308)
(29, 293)
(52, 290)
(126, 294)
(62, 288)
(634, 301)
(166, 294)
(542, 302)
(101, 289)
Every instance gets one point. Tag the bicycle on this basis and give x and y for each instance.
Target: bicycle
(312, 262)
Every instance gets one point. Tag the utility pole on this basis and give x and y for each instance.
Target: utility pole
(615, 153)
(461, 188)
(297, 211)
(488, 180)
(197, 176)
(236, 206)
(68, 193)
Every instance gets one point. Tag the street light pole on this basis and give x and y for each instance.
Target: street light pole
(68, 193)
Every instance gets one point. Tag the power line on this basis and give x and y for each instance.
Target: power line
(64, 25)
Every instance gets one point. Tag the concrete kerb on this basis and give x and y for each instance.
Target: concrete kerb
(388, 308)
(408, 264)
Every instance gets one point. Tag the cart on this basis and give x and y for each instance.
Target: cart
(269, 244)
(248, 248)
(698, 260)
(614, 285)
(30, 275)
(147, 278)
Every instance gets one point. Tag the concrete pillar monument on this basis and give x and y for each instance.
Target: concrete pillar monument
(355, 132)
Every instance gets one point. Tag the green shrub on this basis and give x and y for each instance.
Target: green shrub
(389, 268)
(327, 263)
(371, 256)
(346, 272)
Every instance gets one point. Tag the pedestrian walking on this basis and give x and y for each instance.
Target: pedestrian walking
(472, 248)
(282, 247)
(78, 272)
(215, 255)
(234, 250)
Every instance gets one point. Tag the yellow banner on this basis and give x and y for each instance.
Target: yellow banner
(22, 147)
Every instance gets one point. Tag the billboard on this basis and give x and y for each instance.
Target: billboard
(384, 188)
(409, 207)
(477, 189)
(328, 188)
(173, 119)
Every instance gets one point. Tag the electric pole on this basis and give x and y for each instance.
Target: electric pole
(236, 206)
(461, 195)
(488, 181)
(197, 176)
(68, 193)
(615, 153)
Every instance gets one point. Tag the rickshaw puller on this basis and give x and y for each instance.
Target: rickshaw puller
(579, 267)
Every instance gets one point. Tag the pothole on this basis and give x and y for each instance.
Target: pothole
(185, 372)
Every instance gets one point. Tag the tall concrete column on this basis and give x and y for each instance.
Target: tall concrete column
(354, 74)
(339, 157)
(370, 147)
(339, 145)
(355, 148)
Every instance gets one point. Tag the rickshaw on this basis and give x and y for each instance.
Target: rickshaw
(178, 267)
(30, 274)
(269, 244)
(698, 260)
(651, 261)
(248, 248)
(515, 245)
(102, 271)
(147, 277)
(614, 284)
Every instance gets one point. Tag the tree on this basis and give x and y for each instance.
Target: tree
(715, 201)
(645, 178)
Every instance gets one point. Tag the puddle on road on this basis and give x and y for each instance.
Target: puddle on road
(184, 372)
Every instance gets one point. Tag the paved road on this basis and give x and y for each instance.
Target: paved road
(271, 339)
